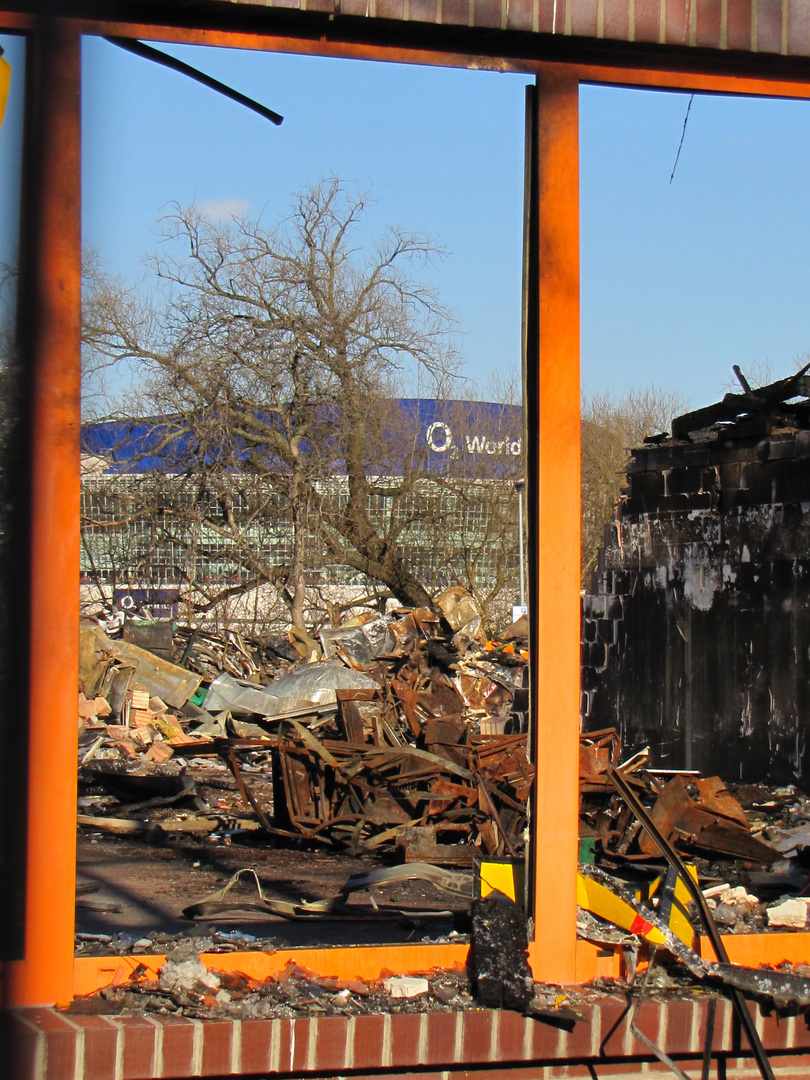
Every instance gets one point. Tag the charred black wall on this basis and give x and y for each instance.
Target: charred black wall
(696, 637)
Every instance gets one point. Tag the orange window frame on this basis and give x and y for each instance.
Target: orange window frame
(50, 313)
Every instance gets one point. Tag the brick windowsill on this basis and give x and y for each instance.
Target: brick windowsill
(52, 1045)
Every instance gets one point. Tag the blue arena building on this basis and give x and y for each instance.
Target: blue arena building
(168, 512)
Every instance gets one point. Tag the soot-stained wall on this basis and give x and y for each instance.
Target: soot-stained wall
(696, 637)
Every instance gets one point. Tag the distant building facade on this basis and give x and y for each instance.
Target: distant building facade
(138, 534)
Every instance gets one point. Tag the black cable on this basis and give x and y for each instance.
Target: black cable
(683, 133)
(148, 53)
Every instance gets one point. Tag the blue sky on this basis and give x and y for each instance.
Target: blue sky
(679, 281)
(713, 269)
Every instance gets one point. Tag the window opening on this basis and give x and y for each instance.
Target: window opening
(176, 540)
(693, 637)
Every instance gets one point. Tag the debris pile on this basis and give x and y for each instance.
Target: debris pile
(406, 732)
(185, 986)
(404, 736)
(748, 848)
(756, 411)
(697, 814)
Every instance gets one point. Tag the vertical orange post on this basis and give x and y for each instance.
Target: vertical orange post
(556, 600)
(50, 342)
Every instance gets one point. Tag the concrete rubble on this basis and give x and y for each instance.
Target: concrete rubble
(791, 913)
(185, 990)
(403, 986)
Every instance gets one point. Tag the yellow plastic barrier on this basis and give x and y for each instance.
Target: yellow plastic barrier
(600, 901)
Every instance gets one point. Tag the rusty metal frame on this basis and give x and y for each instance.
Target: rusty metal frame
(50, 287)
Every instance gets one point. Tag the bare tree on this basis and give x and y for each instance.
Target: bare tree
(268, 354)
(611, 428)
(107, 304)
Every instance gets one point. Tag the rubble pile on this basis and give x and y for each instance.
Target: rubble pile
(186, 987)
(405, 732)
(406, 736)
(698, 814)
(748, 845)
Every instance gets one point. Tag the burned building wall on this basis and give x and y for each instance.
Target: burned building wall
(696, 637)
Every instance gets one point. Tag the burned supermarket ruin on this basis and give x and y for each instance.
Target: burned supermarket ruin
(381, 849)
(695, 634)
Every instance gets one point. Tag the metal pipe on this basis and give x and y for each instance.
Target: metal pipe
(677, 863)
(519, 486)
(636, 1031)
(49, 327)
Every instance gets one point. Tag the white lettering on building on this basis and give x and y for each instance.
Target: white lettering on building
(439, 438)
(444, 433)
(479, 444)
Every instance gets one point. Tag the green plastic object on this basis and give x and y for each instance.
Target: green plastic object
(587, 848)
(198, 697)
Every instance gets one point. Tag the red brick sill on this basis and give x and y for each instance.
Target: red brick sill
(51, 1045)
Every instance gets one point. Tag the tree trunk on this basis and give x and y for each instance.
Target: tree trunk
(410, 592)
(296, 583)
